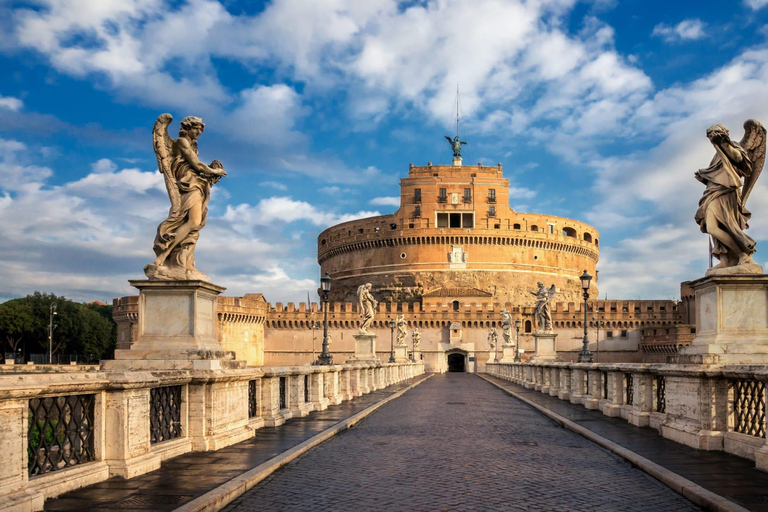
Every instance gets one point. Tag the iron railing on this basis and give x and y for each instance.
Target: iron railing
(630, 387)
(164, 413)
(253, 402)
(283, 391)
(748, 406)
(661, 393)
(60, 433)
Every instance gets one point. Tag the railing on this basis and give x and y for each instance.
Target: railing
(60, 433)
(661, 393)
(122, 423)
(713, 408)
(253, 399)
(164, 413)
(748, 406)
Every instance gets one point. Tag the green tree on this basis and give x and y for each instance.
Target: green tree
(79, 329)
(16, 322)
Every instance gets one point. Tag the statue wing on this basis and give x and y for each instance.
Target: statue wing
(163, 144)
(754, 144)
(450, 140)
(551, 293)
(462, 143)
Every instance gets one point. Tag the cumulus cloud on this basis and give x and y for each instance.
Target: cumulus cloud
(10, 103)
(284, 210)
(274, 184)
(756, 4)
(385, 201)
(686, 30)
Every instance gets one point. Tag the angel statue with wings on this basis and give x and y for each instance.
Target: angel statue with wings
(541, 309)
(722, 213)
(456, 145)
(367, 305)
(188, 181)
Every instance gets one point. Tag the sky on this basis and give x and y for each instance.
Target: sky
(597, 110)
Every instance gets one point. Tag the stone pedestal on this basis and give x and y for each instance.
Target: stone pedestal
(416, 355)
(401, 353)
(507, 353)
(546, 347)
(731, 321)
(365, 348)
(177, 329)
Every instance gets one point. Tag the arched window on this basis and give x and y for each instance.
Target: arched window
(534, 228)
(569, 232)
(516, 226)
(587, 237)
(455, 305)
(528, 326)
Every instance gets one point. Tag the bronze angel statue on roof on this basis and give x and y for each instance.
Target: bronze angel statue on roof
(722, 209)
(456, 145)
(189, 182)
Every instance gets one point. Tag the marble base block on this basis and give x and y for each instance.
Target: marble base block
(177, 329)
(507, 353)
(365, 347)
(401, 354)
(731, 321)
(546, 347)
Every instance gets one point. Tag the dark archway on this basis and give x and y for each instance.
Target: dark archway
(456, 363)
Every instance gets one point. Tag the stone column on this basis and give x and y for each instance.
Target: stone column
(642, 402)
(611, 406)
(554, 381)
(218, 412)
(564, 393)
(14, 420)
(128, 451)
(595, 391)
(270, 400)
(578, 387)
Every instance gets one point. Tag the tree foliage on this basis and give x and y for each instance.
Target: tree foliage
(88, 331)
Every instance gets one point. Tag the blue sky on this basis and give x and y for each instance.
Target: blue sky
(596, 109)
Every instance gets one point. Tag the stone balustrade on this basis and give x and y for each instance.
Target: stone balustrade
(710, 407)
(62, 431)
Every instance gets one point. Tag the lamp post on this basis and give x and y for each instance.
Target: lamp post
(585, 356)
(598, 323)
(325, 357)
(391, 340)
(51, 327)
(496, 350)
(517, 340)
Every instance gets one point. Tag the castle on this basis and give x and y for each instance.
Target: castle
(449, 260)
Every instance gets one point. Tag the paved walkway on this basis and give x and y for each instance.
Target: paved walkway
(726, 475)
(184, 478)
(457, 442)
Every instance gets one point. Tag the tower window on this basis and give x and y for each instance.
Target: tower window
(491, 195)
(467, 195)
(417, 195)
(442, 197)
(417, 211)
(491, 211)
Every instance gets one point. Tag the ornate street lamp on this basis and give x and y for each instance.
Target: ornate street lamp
(585, 356)
(391, 340)
(325, 356)
(51, 327)
(517, 340)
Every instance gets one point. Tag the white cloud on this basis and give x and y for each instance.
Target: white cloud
(284, 210)
(521, 193)
(385, 201)
(11, 103)
(686, 30)
(274, 184)
(756, 4)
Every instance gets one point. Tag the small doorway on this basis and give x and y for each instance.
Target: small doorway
(456, 363)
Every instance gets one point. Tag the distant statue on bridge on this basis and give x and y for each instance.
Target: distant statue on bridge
(722, 212)
(402, 332)
(506, 326)
(367, 305)
(493, 338)
(541, 310)
(416, 337)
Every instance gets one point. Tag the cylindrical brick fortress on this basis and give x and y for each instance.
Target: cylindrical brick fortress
(455, 236)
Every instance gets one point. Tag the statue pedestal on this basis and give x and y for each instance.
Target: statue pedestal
(507, 353)
(457, 161)
(731, 321)
(546, 347)
(416, 355)
(401, 353)
(365, 348)
(178, 329)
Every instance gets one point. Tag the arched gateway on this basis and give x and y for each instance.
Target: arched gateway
(457, 361)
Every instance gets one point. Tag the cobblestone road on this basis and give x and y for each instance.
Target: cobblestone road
(458, 443)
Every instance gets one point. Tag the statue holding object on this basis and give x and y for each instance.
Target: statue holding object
(541, 310)
(722, 212)
(188, 181)
(367, 305)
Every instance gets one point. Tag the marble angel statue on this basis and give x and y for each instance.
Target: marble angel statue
(722, 211)
(402, 331)
(506, 326)
(367, 305)
(541, 309)
(188, 181)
